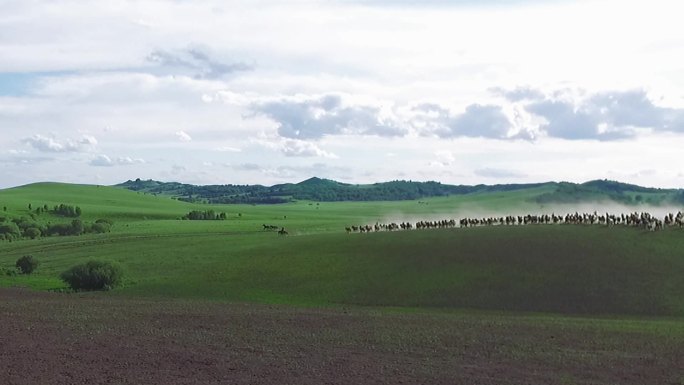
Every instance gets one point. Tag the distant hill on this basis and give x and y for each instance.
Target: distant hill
(606, 190)
(326, 190)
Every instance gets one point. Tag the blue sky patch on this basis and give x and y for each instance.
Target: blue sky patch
(17, 84)
(23, 83)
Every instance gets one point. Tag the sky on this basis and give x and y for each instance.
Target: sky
(266, 92)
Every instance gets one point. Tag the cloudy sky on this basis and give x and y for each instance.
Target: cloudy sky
(261, 91)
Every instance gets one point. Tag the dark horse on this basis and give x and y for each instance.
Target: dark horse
(282, 231)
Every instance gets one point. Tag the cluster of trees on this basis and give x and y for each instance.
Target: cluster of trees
(67, 211)
(29, 227)
(202, 194)
(249, 199)
(311, 189)
(78, 227)
(61, 209)
(316, 189)
(17, 228)
(208, 215)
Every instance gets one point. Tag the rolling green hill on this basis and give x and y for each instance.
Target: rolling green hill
(558, 269)
(96, 201)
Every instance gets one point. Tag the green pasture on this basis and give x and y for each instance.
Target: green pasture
(557, 269)
(145, 213)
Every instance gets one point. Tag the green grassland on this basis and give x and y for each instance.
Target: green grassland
(548, 269)
(551, 304)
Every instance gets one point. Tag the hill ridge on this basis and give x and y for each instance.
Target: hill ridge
(328, 190)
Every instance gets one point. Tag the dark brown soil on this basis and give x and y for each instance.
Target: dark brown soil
(48, 338)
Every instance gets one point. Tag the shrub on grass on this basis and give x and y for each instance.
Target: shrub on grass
(93, 275)
(105, 220)
(32, 232)
(98, 227)
(10, 230)
(27, 264)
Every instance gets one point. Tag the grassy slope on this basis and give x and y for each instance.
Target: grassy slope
(96, 201)
(546, 269)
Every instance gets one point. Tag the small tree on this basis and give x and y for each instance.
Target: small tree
(93, 275)
(32, 232)
(76, 227)
(27, 264)
(10, 230)
(99, 228)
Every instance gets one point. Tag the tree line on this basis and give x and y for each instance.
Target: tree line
(208, 215)
(28, 227)
(325, 190)
(18, 228)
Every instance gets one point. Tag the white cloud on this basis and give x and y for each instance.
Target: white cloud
(88, 140)
(445, 157)
(293, 147)
(183, 136)
(50, 144)
(247, 167)
(197, 61)
(227, 149)
(129, 161)
(608, 115)
(103, 160)
(316, 117)
(42, 143)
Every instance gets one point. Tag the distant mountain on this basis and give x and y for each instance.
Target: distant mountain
(326, 190)
(315, 181)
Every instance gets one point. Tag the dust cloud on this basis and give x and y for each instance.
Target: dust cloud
(476, 211)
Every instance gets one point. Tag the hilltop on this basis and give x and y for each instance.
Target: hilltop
(326, 190)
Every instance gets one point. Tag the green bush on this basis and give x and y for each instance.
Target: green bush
(93, 275)
(27, 264)
(10, 230)
(98, 228)
(32, 232)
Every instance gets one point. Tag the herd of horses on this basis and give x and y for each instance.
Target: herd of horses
(642, 220)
